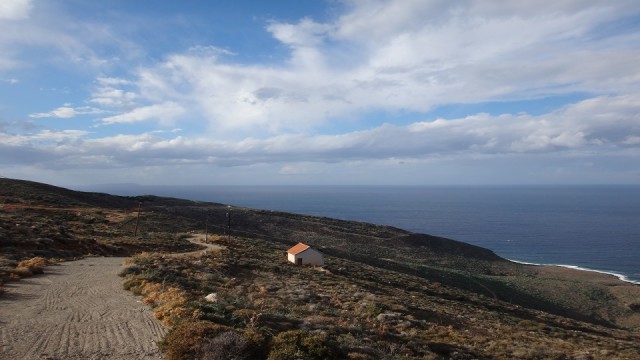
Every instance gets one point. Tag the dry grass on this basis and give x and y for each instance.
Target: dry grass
(207, 341)
(364, 312)
(34, 265)
(168, 302)
(14, 271)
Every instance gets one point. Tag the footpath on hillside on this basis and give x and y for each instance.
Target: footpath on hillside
(78, 310)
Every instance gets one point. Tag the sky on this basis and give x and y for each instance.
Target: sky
(320, 92)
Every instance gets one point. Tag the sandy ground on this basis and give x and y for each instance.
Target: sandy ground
(76, 310)
(79, 310)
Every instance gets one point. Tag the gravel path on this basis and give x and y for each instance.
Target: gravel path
(76, 310)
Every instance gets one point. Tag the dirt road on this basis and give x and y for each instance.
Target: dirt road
(76, 310)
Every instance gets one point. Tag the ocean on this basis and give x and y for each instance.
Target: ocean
(590, 227)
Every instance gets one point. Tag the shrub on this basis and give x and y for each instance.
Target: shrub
(14, 277)
(219, 313)
(129, 270)
(258, 341)
(538, 352)
(229, 345)
(144, 259)
(134, 285)
(204, 340)
(299, 344)
(359, 356)
(169, 302)
(33, 266)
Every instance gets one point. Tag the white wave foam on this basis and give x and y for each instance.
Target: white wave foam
(619, 276)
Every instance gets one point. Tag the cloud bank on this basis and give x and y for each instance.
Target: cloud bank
(373, 57)
(595, 125)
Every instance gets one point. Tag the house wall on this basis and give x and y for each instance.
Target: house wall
(309, 257)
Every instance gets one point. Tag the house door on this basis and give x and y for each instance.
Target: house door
(299, 261)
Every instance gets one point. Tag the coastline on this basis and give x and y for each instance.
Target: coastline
(620, 277)
(612, 288)
(556, 218)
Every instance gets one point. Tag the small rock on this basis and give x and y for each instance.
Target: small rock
(385, 317)
(212, 298)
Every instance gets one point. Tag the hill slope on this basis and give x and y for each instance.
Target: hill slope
(388, 288)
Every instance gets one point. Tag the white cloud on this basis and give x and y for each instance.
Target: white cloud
(112, 81)
(605, 125)
(632, 140)
(109, 96)
(41, 139)
(162, 112)
(292, 170)
(15, 9)
(58, 136)
(306, 33)
(67, 112)
(210, 51)
(389, 56)
(44, 33)
(401, 56)
(61, 112)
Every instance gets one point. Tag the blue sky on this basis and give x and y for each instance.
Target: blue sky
(417, 92)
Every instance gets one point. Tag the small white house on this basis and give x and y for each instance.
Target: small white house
(303, 254)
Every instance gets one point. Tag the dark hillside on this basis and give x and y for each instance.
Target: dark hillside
(23, 191)
(351, 237)
(355, 237)
(51, 222)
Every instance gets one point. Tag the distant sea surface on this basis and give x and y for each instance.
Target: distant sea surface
(590, 227)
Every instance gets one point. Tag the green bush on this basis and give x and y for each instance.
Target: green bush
(217, 313)
(134, 285)
(129, 270)
(204, 340)
(228, 345)
(299, 344)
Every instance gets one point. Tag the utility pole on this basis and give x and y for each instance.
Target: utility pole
(135, 232)
(206, 228)
(228, 222)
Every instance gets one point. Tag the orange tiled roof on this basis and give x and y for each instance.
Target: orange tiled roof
(298, 248)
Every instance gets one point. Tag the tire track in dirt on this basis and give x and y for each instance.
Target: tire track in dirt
(77, 310)
(6, 339)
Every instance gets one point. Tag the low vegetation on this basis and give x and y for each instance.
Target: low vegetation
(50, 224)
(384, 293)
(348, 310)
